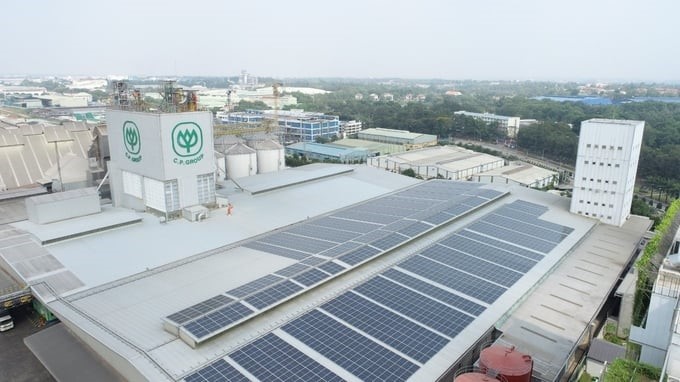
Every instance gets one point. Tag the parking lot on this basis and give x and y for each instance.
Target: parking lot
(17, 363)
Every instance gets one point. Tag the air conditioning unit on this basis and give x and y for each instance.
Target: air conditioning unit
(195, 213)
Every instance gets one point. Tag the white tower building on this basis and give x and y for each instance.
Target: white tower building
(161, 160)
(606, 164)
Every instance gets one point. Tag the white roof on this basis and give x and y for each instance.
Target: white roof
(519, 172)
(452, 158)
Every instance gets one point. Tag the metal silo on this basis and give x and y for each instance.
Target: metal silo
(241, 161)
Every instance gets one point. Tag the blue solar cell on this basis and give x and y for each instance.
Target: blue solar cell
(514, 237)
(484, 269)
(340, 249)
(417, 228)
(496, 244)
(197, 310)
(218, 371)
(273, 359)
(332, 267)
(346, 225)
(358, 255)
(254, 286)
(292, 270)
(454, 279)
(297, 243)
(214, 321)
(285, 252)
(273, 294)
(488, 253)
(435, 292)
(311, 277)
(366, 216)
(324, 233)
(429, 312)
(404, 335)
(390, 241)
(532, 208)
(525, 228)
(355, 353)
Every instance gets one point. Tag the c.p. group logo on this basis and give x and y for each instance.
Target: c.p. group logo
(132, 141)
(187, 143)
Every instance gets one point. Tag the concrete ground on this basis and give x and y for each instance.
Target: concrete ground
(17, 363)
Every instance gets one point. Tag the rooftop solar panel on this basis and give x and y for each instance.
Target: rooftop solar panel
(340, 249)
(312, 261)
(500, 244)
(347, 225)
(199, 309)
(272, 359)
(457, 280)
(406, 336)
(525, 228)
(426, 311)
(292, 270)
(390, 241)
(254, 286)
(359, 255)
(350, 350)
(285, 252)
(531, 219)
(297, 243)
(532, 208)
(273, 294)
(323, 233)
(371, 236)
(488, 253)
(311, 277)
(417, 228)
(217, 320)
(484, 269)
(332, 267)
(513, 237)
(218, 371)
(366, 216)
(435, 292)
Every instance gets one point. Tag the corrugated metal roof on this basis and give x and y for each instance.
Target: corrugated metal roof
(239, 149)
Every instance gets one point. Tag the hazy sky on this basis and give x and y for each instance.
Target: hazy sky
(455, 39)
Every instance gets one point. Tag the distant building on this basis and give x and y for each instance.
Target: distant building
(606, 164)
(448, 162)
(527, 122)
(519, 173)
(453, 93)
(358, 96)
(297, 125)
(374, 97)
(328, 152)
(402, 137)
(388, 97)
(350, 128)
(509, 125)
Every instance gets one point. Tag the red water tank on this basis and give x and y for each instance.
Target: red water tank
(506, 361)
(474, 377)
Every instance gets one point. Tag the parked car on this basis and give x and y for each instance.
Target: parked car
(6, 323)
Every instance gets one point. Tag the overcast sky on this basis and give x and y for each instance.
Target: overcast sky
(622, 40)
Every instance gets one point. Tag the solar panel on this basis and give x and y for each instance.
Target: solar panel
(513, 237)
(399, 224)
(332, 267)
(500, 244)
(406, 336)
(435, 292)
(474, 201)
(324, 233)
(489, 194)
(489, 253)
(311, 277)
(398, 209)
(438, 218)
(213, 322)
(355, 353)
(429, 312)
(358, 255)
(286, 240)
(347, 225)
(530, 219)
(457, 210)
(254, 286)
(528, 229)
(218, 371)
(371, 236)
(416, 228)
(313, 261)
(272, 359)
(188, 314)
(292, 270)
(273, 294)
(366, 216)
(457, 280)
(340, 249)
(390, 241)
(285, 252)
(484, 269)
(532, 208)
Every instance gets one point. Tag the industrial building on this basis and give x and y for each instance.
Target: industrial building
(606, 165)
(328, 152)
(400, 137)
(447, 162)
(350, 128)
(519, 173)
(374, 148)
(295, 125)
(509, 125)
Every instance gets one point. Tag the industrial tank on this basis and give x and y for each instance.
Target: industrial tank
(241, 161)
(270, 155)
(506, 362)
(475, 377)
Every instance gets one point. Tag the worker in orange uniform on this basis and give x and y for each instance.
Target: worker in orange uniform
(230, 208)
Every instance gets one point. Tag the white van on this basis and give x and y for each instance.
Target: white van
(6, 323)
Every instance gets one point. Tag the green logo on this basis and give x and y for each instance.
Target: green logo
(187, 142)
(131, 140)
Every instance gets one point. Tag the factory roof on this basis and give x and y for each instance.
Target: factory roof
(522, 173)
(393, 133)
(150, 271)
(323, 149)
(372, 146)
(452, 158)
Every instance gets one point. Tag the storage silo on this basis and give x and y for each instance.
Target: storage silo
(513, 365)
(476, 377)
(241, 161)
(270, 156)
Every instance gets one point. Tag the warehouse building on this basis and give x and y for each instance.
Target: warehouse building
(400, 137)
(519, 173)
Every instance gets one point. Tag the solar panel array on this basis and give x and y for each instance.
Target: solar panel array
(387, 327)
(332, 244)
